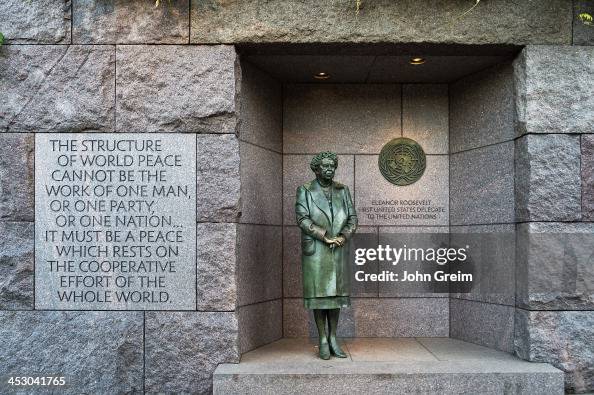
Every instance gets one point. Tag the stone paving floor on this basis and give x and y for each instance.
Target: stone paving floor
(377, 350)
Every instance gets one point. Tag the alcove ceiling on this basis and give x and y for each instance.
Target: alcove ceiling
(374, 63)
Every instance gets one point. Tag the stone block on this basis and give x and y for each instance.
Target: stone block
(411, 237)
(174, 88)
(401, 317)
(24, 70)
(16, 265)
(555, 268)
(336, 21)
(96, 352)
(583, 34)
(453, 350)
(296, 172)
(217, 265)
(343, 118)
(261, 185)
(482, 109)
(182, 349)
(219, 183)
(548, 185)
(261, 108)
(490, 325)
(561, 338)
(130, 22)
(259, 263)
(373, 192)
(425, 117)
(587, 164)
(386, 365)
(404, 350)
(16, 177)
(482, 185)
(364, 377)
(296, 319)
(492, 262)
(552, 95)
(260, 324)
(57, 88)
(36, 22)
(292, 276)
(366, 237)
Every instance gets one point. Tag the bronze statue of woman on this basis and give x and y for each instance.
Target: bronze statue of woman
(327, 218)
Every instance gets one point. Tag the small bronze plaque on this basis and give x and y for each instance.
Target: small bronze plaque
(402, 161)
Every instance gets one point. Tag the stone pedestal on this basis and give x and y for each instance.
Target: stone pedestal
(379, 366)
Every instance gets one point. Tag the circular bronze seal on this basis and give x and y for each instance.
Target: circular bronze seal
(402, 161)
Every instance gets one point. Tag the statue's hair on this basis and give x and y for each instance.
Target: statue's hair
(316, 160)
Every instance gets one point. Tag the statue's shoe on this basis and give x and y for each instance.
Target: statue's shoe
(324, 351)
(336, 350)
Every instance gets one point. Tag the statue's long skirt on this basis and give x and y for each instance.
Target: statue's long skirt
(327, 302)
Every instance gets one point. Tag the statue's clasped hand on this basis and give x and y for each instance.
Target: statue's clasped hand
(335, 241)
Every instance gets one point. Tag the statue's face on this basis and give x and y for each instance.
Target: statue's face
(326, 169)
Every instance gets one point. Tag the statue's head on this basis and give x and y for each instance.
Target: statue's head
(324, 165)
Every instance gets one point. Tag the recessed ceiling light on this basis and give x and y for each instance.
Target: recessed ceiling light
(321, 76)
(417, 60)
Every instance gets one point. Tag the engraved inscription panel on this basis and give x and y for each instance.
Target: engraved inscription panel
(115, 221)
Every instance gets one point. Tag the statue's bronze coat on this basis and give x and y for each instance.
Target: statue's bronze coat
(325, 270)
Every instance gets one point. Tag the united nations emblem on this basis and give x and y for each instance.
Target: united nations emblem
(402, 161)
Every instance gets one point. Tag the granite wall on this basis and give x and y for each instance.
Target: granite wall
(523, 167)
(355, 121)
(482, 202)
(260, 237)
(385, 21)
(554, 199)
(67, 83)
(95, 66)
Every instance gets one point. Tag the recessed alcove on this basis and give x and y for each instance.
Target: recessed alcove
(457, 104)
